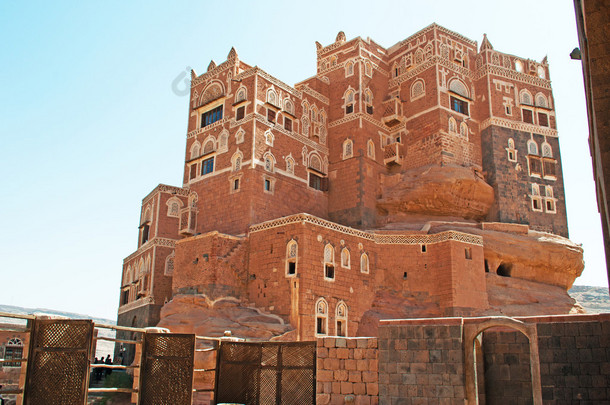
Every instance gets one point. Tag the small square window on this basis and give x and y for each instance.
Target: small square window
(193, 173)
(236, 184)
(468, 253)
(292, 268)
(458, 105)
(321, 326)
(267, 185)
(528, 116)
(207, 166)
(369, 109)
(270, 115)
(423, 248)
(287, 124)
(349, 109)
(329, 271)
(543, 119)
(241, 113)
(550, 206)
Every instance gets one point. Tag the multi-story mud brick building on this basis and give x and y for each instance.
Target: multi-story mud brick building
(423, 179)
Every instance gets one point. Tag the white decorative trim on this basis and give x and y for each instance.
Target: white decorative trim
(163, 242)
(356, 116)
(383, 239)
(311, 92)
(207, 127)
(519, 126)
(140, 302)
(294, 135)
(164, 188)
(487, 69)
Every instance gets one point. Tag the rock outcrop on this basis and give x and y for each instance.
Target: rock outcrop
(199, 315)
(450, 191)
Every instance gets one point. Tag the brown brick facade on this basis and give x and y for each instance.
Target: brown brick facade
(269, 167)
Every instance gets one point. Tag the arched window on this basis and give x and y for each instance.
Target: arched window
(419, 56)
(209, 146)
(458, 87)
(321, 317)
(532, 147)
(329, 262)
(547, 151)
(241, 94)
(368, 69)
(239, 136)
(269, 162)
(341, 319)
(464, 129)
(370, 149)
(512, 152)
(315, 163)
(305, 125)
(169, 265)
(395, 70)
(345, 259)
(541, 72)
(418, 89)
(236, 160)
(173, 207)
(269, 138)
(519, 66)
(223, 141)
(290, 164)
(525, 97)
(195, 150)
(145, 226)
(348, 149)
(289, 106)
(452, 125)
(349, 68)
(292, 251)
(128, 276)
(364, 263)
(349, 101)
(541, 101)
(13, 351)
(272, 97)
(548, 191)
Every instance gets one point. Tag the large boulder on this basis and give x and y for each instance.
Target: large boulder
(199, 315)
(449, 191)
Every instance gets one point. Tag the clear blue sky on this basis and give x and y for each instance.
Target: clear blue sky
(89, 124)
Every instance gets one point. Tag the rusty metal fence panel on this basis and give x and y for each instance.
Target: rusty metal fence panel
(58, 365)
(167, 369)
(268, 373)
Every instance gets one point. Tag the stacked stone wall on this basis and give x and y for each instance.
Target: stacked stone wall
(347, 371)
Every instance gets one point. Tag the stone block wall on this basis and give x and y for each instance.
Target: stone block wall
(347, 371)
(507, 375)
(575, 360)
(421, 363)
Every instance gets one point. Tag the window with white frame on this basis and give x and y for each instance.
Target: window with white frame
(368, 101)
(292, 250)
(241, 94)
(345, 258)
(13, 351)
(458, 97)
(511, 151)
(269, 161)
(269, 138)
(272, 97)
(368, 69)
(321, 317)
(349, 68)
(418, 89)
(349, 101)
(341, 319)
(174, 205)
(452, 125)
(169, 265)
(329, 262)
(549, 200)
(348, 149)
(195, 150)
(370, 149)
(364, 263)
(536, 199)
(464, 130)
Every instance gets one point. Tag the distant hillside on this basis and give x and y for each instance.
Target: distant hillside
(30, 311)
(594, 300)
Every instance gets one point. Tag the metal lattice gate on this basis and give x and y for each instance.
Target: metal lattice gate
(167, 369)
(269, 373)
(58, 362)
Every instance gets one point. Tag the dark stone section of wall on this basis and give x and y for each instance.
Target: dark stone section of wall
(575, 362)
(421, 364)
(508, 378)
